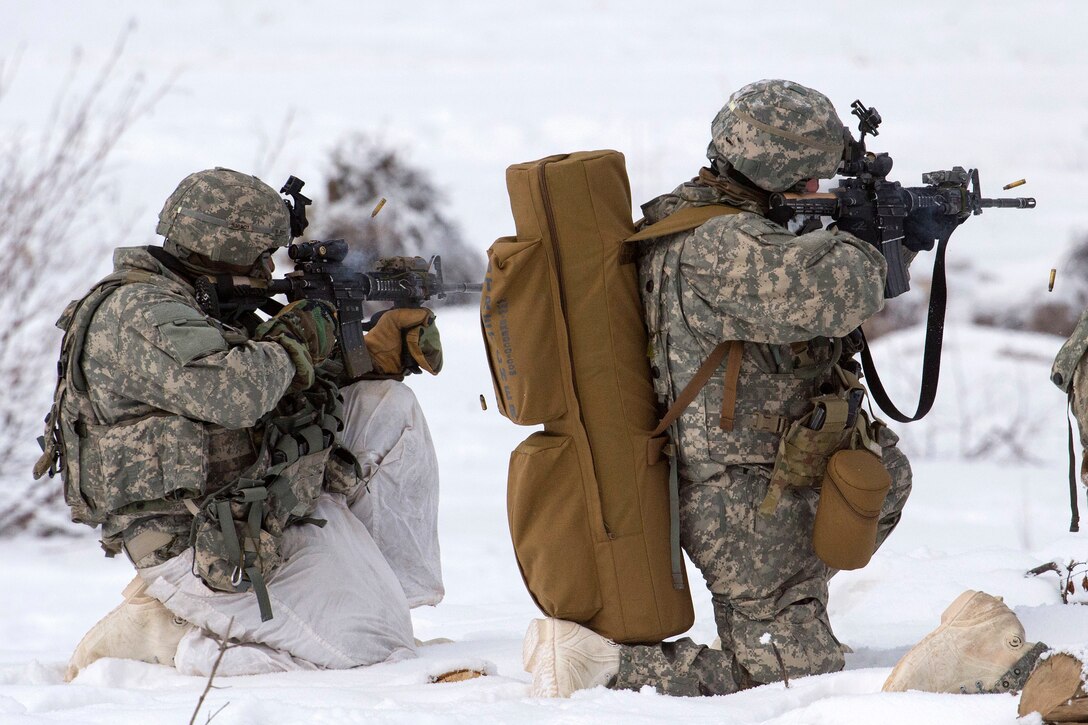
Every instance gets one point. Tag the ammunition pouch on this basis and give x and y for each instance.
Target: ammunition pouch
(835, 423)
(834, 448)
(804, 451)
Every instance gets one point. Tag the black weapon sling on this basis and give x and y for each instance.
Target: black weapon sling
(931, 357)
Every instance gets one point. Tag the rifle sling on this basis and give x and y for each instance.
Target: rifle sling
(1074, 511)
(171, 262)
(931, 357)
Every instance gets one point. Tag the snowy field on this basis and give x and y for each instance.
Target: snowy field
(976, 524)
(472, 87)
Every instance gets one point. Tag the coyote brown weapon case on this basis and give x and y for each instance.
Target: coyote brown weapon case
(588, 497)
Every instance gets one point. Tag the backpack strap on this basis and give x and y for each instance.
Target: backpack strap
(697, 382)
(731, 377)
(735, 350)
(682, 220)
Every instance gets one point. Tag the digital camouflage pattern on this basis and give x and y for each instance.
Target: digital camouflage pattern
(1070, 374)
(227, 216)
(778, 132)
(173, 401)
(764, 580)
(1070, 355)
(741, 277)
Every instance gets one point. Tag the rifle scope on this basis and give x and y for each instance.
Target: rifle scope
(333, 250)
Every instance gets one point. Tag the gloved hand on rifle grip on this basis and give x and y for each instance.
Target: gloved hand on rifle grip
(864, 229)
(926, 225)
(306, 329)
(404, 340)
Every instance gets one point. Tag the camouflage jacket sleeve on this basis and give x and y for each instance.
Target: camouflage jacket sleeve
(750, 279)
(1069, 357)
(150, 347)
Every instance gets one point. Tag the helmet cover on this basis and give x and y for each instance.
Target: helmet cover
(777, 133)
(226, 216)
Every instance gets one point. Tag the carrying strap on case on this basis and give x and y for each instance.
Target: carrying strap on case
(683, 220)
(735, 350)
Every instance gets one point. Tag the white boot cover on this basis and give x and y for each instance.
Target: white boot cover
(140, 628)
(564, 657)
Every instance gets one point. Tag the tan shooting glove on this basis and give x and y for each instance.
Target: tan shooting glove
(306, 329)
(404, 340)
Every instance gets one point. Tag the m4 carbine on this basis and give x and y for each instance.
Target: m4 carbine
(320, 273)
(886, 214)
(866, 201)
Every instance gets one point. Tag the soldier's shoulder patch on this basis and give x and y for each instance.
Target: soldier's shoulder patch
(183, 332)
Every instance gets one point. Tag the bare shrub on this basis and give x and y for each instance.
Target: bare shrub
(48, 183)
(413, 222)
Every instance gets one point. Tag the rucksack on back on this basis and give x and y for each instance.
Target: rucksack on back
(588, 497)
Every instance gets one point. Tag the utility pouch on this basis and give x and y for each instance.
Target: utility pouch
(855, 485)
(805, 448)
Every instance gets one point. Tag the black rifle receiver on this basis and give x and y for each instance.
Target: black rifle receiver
(866, 197)
(321, 273)
(879, 208)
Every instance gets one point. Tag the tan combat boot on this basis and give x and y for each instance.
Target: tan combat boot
(1056, 690)
(979, 647)
(564, 657)
(140, 628)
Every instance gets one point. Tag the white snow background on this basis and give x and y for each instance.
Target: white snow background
(471, 87)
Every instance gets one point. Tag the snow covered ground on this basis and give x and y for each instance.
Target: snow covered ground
(473, 87)
(970, 524)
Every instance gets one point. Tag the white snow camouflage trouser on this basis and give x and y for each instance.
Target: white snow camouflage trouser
(341, 596)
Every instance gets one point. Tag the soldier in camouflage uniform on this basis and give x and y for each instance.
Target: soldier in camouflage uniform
(793, 300)
(162, 423)
(1070, 373)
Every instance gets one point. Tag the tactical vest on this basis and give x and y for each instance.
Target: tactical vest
(228, 494)
(760, 408)
(774, 384)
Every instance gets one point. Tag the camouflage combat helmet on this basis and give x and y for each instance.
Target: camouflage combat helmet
(228, 217)
(777, 133)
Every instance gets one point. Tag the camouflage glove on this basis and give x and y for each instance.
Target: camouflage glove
(404, 340)
(306, 329)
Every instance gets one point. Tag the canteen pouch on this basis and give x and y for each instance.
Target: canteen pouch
(855, 485)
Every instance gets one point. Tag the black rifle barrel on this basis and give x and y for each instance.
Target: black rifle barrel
(1019, 202)
(448, 287)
